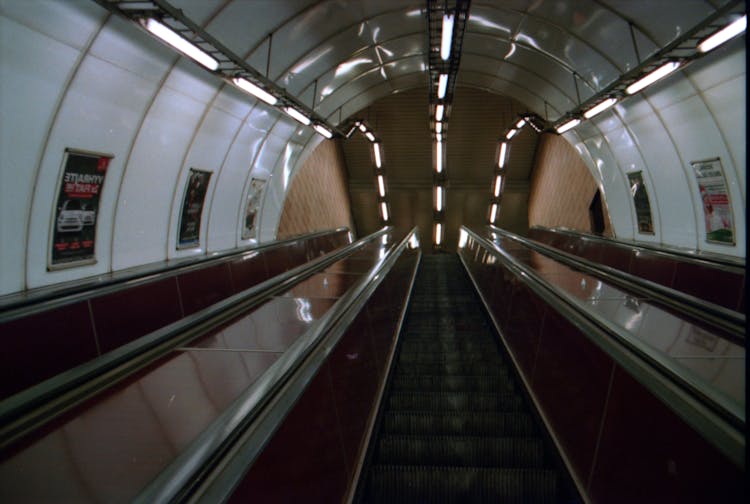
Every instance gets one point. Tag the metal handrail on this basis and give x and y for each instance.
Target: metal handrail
(710, 259)
(720, 421)
(224, 450)
(728, 321)
(18, 305)
(27, 410)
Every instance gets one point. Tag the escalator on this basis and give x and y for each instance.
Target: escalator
(455, 426)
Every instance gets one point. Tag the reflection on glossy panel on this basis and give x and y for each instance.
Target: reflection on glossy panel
(323, 285)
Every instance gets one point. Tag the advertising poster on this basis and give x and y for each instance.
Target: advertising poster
(252, 208)
(74, 225)
(640, 201)
(717, 211)
(192, 208)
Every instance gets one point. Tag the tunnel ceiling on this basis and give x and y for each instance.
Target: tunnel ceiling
(339, 58)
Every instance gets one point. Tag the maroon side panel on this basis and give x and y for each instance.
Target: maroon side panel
(720, 287)
(571, 377)
(653, 267)
(523, 327)
(617, 257)
(40, 346)
(648, 454)
(277, 261)
(204, 287)
(304, 460)
(248, 270)
(123, 316)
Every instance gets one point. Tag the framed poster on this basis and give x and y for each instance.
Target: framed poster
(717, 209)
(252, 208)
(75, 216)
(192, 209)
(640, 201)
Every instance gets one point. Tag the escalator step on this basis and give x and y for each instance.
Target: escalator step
(464, 451)
(425, 357)
(457, 423)
(454, 401)
(452, 383)
(452, 368)
(457, 345)
(392, 484)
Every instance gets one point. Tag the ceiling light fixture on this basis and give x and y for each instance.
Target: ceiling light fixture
(438, 127)
(323, 130)
(658, 74)
(175, 40)
(442, 85)
(370, 136)
(296, 114)
(439, 110)
(376, 152)
(520, 123)
(498, 184)
(598, 109)
(439, 157)
(381, 186)
(501, 157)
(568, 125)
(493, 213)
(384, 210)
(438, 233)
(447, 37)
(728, 32)
(439, 198)
(254, 90)
(511, 134)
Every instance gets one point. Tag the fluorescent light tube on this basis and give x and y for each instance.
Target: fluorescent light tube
(447, 37)
(323, 131)
(659, 73)
(568, 125)
(721, 36)
(442, 85)
(438, 127)
(439, 157)
(384, 210)
(376, 151)
(438, 233)
(498, 184)
(370, 136)
(296, 114)
(362, 128)
(463, 237)
(598, 109)
(511, 134)
(254, 90)
(439, 137)
(439, 110)
(493, 213)
(178, 42)
(381, 186)
(520, 123)
(503, 152)
(439, 198)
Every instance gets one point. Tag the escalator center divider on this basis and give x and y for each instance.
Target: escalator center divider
(453, 425)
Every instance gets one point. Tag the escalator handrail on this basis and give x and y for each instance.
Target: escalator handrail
(710, 259)
(25, 411)
(213, 464)
(19, 305)
(729, 321)
(719, 421)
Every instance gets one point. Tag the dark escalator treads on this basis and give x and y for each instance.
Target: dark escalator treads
(454, 425)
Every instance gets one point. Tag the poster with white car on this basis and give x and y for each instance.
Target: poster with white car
(74, 226)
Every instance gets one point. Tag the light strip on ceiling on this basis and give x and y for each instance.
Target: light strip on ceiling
(728, 32)
(493, 213)
(439, 198)
(323, 130)
(520, 123)
(175, 40)
(439, 157)
(384, 210)
(498, 185)
(438, 233)
(598, 109)
(658, 74)
(381, 186)
(376, 152)
(446, 40)
(511, 134)
(442, 85)
(568, 125)
(370, 136)
(503, 152)
(439, 110)
(296, 114)
(438, 127)
(254, 90)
